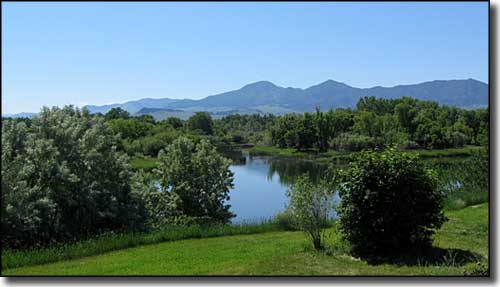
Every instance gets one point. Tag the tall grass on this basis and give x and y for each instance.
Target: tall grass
(109, 242)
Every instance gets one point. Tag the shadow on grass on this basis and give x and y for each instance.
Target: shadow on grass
(431, 256)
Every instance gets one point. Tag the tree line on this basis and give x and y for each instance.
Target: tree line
(407, 122)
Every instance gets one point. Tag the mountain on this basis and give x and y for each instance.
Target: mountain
(266, 97)
(20, 115)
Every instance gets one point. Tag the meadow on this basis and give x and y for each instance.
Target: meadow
(461, 244)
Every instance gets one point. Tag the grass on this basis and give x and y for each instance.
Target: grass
(277, 253)
(143, 163)
(110, 242)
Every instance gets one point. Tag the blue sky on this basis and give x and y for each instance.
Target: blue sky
(98, 53)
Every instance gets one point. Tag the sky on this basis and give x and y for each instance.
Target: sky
(99, 53)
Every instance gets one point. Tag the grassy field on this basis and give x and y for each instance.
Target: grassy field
(464, 238)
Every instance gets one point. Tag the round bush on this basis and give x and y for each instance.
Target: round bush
(389, 203)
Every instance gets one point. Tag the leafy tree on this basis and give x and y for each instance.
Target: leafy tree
(200, 122)
(199, 176)
(389, 203)
(130, 128)
(306, 132)
(323, 130)
(63, 179)
(311, 206)
(176, 123)
(116, 113)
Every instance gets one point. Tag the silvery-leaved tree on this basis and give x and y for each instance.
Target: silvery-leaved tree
(63, 179)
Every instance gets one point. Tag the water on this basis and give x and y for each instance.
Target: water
(261, 182)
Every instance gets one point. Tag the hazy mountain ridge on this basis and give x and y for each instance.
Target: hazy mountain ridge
(329, 94)
(266, 97)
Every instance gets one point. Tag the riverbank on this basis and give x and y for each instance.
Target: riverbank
(424, 153)
(461, 243)
(329, 156)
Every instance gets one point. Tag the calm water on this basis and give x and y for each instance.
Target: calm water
(260, 184)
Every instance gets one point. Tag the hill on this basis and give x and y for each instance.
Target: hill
(266, 97)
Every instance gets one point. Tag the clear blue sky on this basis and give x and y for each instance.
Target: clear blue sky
(98, 53)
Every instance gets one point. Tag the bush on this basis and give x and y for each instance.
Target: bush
(311, 205)
(389, 203)
(284, 220)
(63, 179)
(353, 142)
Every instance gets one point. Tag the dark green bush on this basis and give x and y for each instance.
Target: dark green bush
(389, 203)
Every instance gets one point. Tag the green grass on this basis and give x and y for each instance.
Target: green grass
(143, 163)
(110, 242)
(275, 253)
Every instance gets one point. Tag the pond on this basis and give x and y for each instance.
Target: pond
(261, 182)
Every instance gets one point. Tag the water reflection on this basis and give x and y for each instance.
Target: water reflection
(260, 184)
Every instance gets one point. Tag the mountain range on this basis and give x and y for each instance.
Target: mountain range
(266, 97)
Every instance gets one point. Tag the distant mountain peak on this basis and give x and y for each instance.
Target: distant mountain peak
(266, 97)
(260, 85)
(330, 84)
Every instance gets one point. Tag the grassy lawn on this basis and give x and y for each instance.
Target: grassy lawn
(277, 253)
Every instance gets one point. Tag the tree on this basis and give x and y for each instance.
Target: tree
(200, 122)
(199, 176)
(63, 179)
(311, 205)
(116, 113)
(131, 128)
(306, 132)
(176, 123)
(389, 203)
(323, 130)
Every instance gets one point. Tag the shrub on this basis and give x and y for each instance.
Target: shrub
(63, 179)
(353, 142)
(284, 220)
(311, 205)
(389, 203)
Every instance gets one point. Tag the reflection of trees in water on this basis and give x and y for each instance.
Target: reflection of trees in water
(455, 173)
(290, 169)
(234, 154)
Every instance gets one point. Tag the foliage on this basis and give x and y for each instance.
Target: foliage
(200, 122)
(311, 205)
(116, 113)
(199, 178)
(376, 122)
(63, 179)
(389, 203)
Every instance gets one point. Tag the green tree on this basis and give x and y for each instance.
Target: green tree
(311, 205)
(176, 123)
(200, 122)
(199, 176)
(116, 113)
(389, 203)
(63, 179)
(323, 129)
